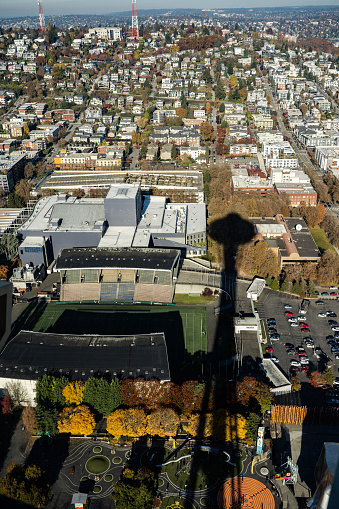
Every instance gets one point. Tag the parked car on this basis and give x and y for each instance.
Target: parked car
(275, 337)
(303, 324)
(293, 324)
(322, 315)
(288, 313)
(305, 329)
(269, 349)
(287, 306)
(290, 351)
(295, 363)
(324, 293)
(289, 345)
(319, 302)
(304, 360)
(292, 319)
(275, 360)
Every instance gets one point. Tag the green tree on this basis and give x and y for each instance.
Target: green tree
(264, 397)
(252, 424)
(47, 420)
(103, 396)
(329, 375)
(206, 75)
(274, 284)
(174, 152)
(296, 288)
(49, 391)
(9, 244)
(15, 201)
(134, 490)
(220, 92)
(286, 285)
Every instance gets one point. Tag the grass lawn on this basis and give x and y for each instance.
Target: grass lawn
(195, 474)
(321, 239)
(184, 327)
(184, 298)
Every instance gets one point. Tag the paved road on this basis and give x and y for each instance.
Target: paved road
(301, 154)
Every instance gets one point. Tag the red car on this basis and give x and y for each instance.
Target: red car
(303, 324)
(305, 329)
(294, 369)
(305, 369)
(334, 294)
(269, 349)
(288, 313)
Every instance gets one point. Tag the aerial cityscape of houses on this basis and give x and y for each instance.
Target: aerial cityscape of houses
(169, 258)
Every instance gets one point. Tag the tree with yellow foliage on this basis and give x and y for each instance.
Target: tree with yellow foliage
(76, 421)
(162, 422)
(130, 423)
(227, 426)
(201, 426)
(220, 424)
(233, 82)
(74, 392)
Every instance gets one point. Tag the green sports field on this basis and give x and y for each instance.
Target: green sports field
(184, 327)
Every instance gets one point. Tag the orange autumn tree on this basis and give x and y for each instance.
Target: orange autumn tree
(130, 423)
(76, 421)
(3, 271)
(74, 392)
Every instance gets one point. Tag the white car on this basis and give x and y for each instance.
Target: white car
(295, 364)
(292, 319)
(309, 344)
(287, 306)
(294, 324)
(322, 315)
(304, 360)
(335, 328)
(301, 318)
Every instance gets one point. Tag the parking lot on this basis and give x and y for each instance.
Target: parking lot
(271, 305)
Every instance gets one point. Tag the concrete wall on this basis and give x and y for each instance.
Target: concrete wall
(191, 289)
(62, 240)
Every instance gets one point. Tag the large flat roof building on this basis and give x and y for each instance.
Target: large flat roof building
(124, 218)
(30, 355)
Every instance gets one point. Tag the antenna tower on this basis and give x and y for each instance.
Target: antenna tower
(135, 25)
(41, 18)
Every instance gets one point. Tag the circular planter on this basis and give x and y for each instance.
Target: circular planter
(98, 465)
(161, 482)
(97, 449)
(97, 489)
(204, 501)
(117, 460)
(84, 479)
(108, 478)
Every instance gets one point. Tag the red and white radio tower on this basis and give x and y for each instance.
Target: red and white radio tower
(41, 18)
(135, 25)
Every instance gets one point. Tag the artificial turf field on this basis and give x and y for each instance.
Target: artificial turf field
(184, 327)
